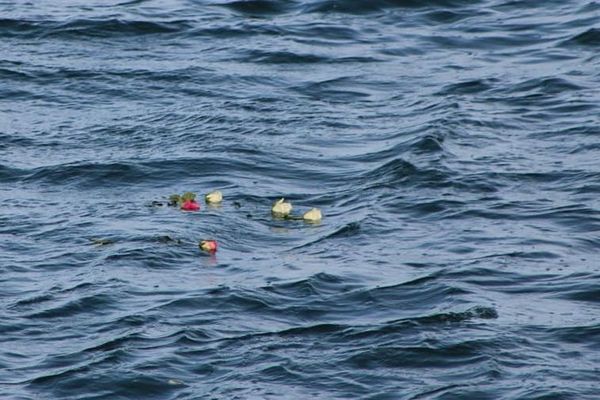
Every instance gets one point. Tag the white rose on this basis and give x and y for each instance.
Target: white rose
(214, 197)
(312, 215)
(281, 208)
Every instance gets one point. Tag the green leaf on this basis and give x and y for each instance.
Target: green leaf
(174, 200)
(188, 196)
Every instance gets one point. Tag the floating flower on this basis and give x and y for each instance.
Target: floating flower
(312, 215)
(214, 197)
(190, 205)
(176, 200)
(281, 208)
(209, 246)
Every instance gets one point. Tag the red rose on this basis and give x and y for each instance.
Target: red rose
(190, 205)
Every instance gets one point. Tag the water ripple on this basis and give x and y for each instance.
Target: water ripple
(451, 145)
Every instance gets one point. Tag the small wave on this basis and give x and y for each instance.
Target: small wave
(395, 171)
(406, 295)
(124, 173)
(325, 33)
(89, 28)
(92, 304)
(468, 87)
(348, 230)
(589, 38)
(8, 174)
(94, 174)
(244, 30)
(431, 143)
(550, 86)
(287, 57)
(344, 6)
(50, 295)
(359, 7)
(401, 172)
(466, 353)
(282, 57)
(477, 312)
(318, 284)
(586, 334)
(318, 329)
(450, 144)
(13, 75)
(583, 293)
(427, 209)
(447, 16)
(259, 7)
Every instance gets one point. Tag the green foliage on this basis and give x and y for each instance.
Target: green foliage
(188, 196)
(174, 199)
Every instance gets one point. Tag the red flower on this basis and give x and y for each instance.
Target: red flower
(190, 205)
(208, 245)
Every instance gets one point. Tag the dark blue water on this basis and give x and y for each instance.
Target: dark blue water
(453, 146)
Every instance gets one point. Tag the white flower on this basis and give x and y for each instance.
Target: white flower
(281, 208)
(312, 215)
(214, 197)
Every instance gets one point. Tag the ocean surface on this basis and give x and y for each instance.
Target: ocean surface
(453, 147)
